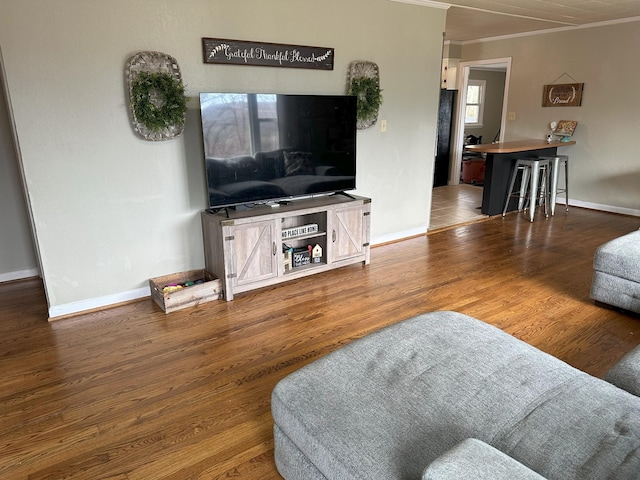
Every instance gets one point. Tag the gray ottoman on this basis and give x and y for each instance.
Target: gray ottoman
(402, 402)
(616, 279)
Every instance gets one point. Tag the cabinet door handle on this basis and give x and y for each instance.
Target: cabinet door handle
(333, 236)
(275, 249)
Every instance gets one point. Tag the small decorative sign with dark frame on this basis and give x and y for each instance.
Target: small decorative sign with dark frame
(240, 52)
(562, 95)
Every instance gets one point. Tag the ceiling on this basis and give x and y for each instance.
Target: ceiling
(476, 19)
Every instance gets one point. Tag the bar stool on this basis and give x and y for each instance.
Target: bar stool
(555, 173)
(531, 169)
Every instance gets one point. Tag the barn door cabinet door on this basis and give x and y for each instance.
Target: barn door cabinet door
(253, 252)
(349, 232)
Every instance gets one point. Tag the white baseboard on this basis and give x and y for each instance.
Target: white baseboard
(393, 237)
(598, 206)
(99, 302)
(19, 275)
(109, 300)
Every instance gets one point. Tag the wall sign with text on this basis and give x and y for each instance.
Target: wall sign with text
(240, 52)
(562, 95)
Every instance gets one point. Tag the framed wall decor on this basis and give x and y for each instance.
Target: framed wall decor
(241, 52)
(562, 95)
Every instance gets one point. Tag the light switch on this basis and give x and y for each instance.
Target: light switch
(383, 125)
(512, 115)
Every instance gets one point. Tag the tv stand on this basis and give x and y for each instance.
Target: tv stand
(253, 249)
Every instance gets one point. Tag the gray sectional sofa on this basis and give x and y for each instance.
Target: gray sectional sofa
(445, 396)
(616, 276)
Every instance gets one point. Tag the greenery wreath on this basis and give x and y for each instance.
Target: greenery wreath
(169, 89)
(369, 95)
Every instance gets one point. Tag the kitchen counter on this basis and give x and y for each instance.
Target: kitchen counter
(516, 146)
(499, 163)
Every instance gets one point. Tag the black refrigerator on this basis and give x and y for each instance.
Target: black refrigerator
(443, 144)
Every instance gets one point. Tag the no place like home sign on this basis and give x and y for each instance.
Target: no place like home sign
(241, 52)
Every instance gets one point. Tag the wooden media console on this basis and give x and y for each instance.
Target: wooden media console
(246, 249)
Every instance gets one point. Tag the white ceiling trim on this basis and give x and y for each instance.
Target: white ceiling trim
(426, 3)
(429, 3)
(548, 30)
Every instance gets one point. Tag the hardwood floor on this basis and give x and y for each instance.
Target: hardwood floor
(132, 393)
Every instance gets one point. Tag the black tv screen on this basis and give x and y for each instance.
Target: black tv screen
(268, 147)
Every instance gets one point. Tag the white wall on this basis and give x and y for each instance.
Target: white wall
(17, 255)
(112, 210)
(605, 166)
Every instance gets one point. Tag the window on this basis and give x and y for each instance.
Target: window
(475, 103)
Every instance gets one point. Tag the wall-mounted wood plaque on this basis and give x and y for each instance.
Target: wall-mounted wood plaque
(562, 95)
(240, 52)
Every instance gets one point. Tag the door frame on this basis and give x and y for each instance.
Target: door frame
(458, 130)
(4, 91)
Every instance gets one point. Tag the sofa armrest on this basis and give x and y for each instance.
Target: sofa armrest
(473, 459)
(626, 373)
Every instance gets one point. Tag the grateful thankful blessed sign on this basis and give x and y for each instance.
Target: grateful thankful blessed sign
(240, 52)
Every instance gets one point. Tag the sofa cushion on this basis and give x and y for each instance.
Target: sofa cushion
(387, 405)
(616, 291)
(290, 461)
(620, 257)
(475, 460)
(582, 429)
(626, 373)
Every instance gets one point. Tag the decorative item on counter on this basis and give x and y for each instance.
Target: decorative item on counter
(564, 129)
(156, 96)
(553, 126)
(364, 82)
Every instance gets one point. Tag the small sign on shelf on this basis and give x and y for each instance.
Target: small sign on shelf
(300, 230)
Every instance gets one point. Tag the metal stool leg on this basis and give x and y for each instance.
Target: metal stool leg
(512, 182)
(553, 188)
(524, 184)
(555, 163)
(566, 184)
(535, 176)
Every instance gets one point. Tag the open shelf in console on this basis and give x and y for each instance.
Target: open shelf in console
(304, 234)
(246, 249)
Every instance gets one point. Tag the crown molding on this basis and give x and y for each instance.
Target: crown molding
(548, 30)
(426, 3)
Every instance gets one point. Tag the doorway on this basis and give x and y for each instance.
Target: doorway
(496, 73)
(18, 258)
(457, 202)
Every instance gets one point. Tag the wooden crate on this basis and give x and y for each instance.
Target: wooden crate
(191, 296)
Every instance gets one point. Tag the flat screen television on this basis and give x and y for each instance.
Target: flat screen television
(261, 148)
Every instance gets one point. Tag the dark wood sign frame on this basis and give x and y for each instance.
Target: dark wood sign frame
(241, 52)
(562, 95)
